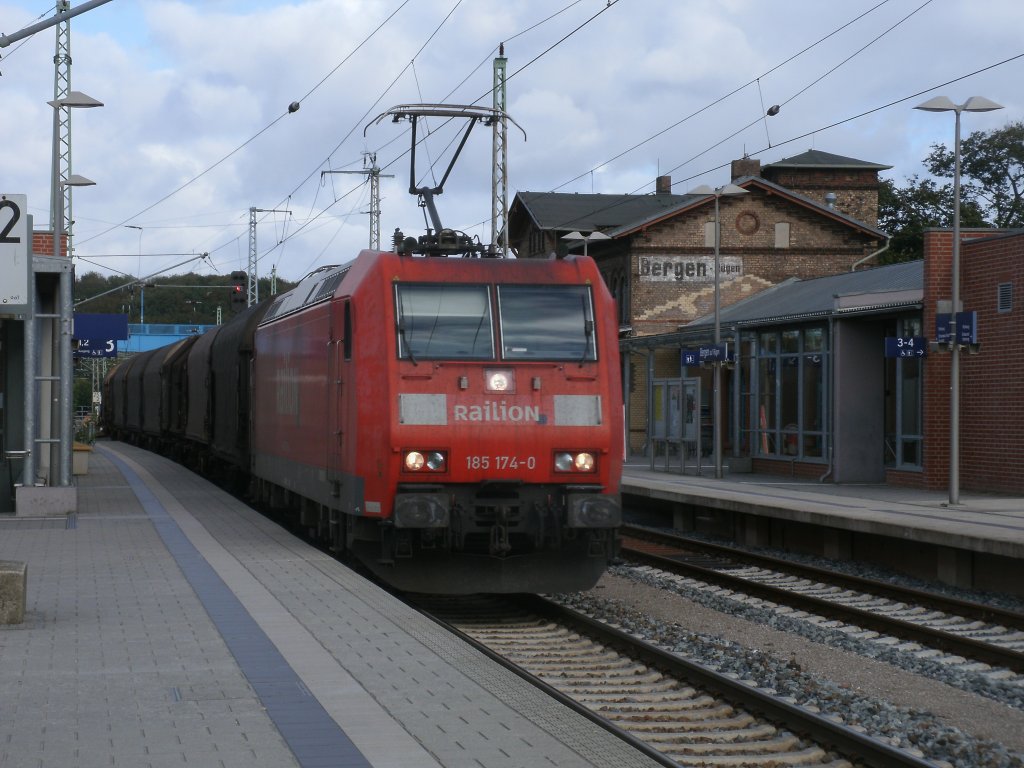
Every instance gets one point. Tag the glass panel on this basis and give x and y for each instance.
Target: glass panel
(813, 446)
(766, 409)
(789, 417)
(913, 326)
(814, 340)
(912, 452)
(675, 411)
(813, 393)
(791, 341)
(658, 403)
(446, 322)
(546, 322)
(769, 343)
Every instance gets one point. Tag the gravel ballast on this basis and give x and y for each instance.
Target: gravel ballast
(963, 719)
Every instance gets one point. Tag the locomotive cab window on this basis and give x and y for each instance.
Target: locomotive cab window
(443, 322)
(547, 322)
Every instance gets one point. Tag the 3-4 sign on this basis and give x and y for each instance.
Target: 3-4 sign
(905, 346)
(15, 259)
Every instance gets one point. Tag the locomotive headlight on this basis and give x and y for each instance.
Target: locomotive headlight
(503, 381)
(574, 462)
(425, 461)
(583, 462)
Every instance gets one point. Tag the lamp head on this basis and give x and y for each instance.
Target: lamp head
(76, 180)
(945, 104)
(937, 104)
(980, 104)
(76, 99)
(732, 189)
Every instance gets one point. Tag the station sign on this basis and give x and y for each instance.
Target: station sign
(711, 353)
(15, 254)
(100, 326)
(906, 346)
(963, 328)
(96, 348)
(97, 334)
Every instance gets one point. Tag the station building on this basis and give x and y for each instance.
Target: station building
(805, 312)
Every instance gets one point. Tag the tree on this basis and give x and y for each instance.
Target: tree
(172, 299)
(905, 213)
(992, 184)
(993, 164)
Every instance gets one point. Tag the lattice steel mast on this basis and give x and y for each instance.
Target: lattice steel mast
(252, 284)
(499, 160)
(61, 193)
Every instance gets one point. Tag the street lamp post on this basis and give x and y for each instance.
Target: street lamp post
(944, 104)
(66, 286)
(727, 190)
(586, 238)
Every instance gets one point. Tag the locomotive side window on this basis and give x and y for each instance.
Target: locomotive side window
(546, 322)
(444, 322)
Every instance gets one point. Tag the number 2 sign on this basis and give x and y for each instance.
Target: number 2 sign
(15, 259)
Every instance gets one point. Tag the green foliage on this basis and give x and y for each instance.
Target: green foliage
(172, 299)
(991, 189)
(82, 396)
(905, 213)
(992, 167)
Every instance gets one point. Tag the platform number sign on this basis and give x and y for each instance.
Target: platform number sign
(15, 259)
(905, 346)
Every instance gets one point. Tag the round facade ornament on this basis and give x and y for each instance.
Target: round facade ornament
(747, 223)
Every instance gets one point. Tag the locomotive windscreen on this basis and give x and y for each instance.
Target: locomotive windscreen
(444, 322)
(536, 322)
(546, 322)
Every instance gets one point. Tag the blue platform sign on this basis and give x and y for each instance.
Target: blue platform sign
(905, 346)
(96, 348)
(964, 327)
(706, 354)
(97, 326)
(967, 327)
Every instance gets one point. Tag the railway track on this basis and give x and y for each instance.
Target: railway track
(970, 634)
(677, 711)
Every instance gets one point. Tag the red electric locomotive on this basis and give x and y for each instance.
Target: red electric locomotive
(456, 423)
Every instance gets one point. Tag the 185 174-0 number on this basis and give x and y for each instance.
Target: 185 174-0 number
(501, 462)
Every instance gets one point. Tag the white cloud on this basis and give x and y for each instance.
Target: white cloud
(187, 83)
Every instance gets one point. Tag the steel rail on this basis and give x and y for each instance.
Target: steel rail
(849, 742)
(936, 638)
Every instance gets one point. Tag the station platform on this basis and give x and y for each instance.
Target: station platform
(977, 542)
(168, 624)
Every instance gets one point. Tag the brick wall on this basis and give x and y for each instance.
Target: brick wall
(818, 246)
(42, 244)
(856, 190)
(991, 382)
